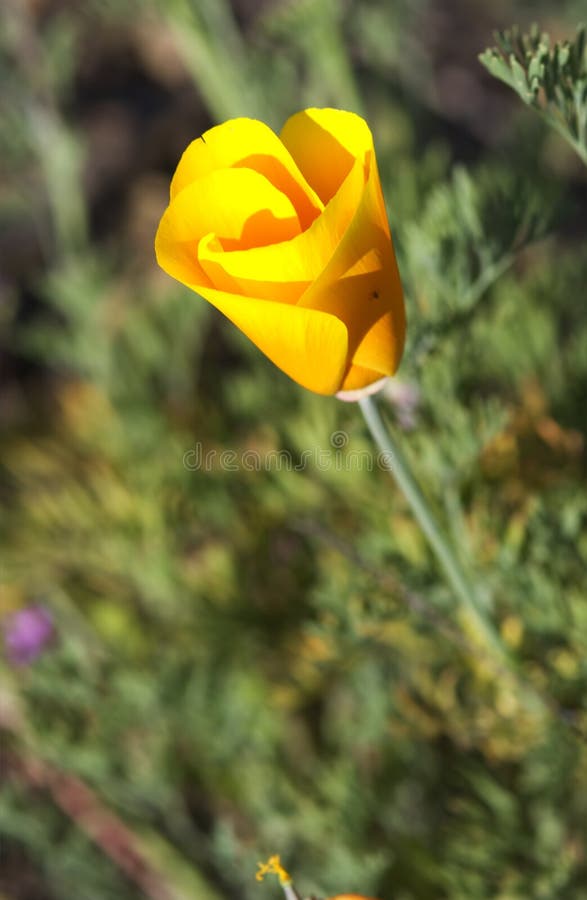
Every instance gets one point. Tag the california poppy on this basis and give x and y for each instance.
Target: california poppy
(288, 237)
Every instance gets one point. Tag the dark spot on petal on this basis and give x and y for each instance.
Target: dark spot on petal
(375, 295)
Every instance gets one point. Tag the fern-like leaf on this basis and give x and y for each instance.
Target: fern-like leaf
(551, 79)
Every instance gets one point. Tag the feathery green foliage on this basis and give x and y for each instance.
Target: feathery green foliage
(266, 659)
(552, 80)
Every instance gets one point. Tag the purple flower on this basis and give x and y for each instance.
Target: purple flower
(27, 633)
(405, 398)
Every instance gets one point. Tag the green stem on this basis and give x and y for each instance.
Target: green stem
(290, 891)
(474, 615)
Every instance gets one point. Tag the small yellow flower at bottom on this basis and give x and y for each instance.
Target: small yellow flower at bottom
(273, 867)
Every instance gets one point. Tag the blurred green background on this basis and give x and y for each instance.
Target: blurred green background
(252, 662)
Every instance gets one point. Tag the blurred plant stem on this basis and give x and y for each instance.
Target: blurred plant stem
(58, 148)
(99, 823)
(210, 42)
(147, 860)
(474, 618)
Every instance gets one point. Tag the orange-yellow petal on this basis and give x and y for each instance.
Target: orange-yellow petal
(284, 271)
(361, 286)
(358, 377)
(239, 206)
(250, 144)
(309, 346)
(350, 897)
(325, 144)
(237, 272)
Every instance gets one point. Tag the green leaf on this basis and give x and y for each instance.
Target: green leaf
(551, 81)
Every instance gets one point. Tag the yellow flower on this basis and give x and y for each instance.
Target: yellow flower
(273, 866)
(288, 237)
